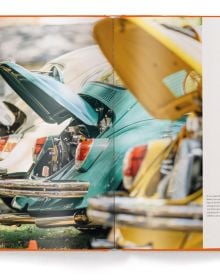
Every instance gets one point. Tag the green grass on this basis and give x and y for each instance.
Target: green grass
(14, 237)
(54, 238)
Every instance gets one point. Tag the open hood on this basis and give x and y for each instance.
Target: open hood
(144, 53)
(51, 100)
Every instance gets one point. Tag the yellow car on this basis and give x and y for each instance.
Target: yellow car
(163, 205)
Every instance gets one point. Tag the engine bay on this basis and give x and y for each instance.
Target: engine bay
(60, 150)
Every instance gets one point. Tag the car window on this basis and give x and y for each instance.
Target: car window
(175, 81)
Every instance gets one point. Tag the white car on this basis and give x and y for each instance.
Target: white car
(73, 69)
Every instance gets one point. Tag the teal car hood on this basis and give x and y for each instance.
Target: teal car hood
(51, 100)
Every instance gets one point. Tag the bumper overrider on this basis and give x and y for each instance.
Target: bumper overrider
(43, 189)
(145, 213)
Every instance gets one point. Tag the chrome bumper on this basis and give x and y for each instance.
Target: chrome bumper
(145, 213)
(3, 171)
(37, 188)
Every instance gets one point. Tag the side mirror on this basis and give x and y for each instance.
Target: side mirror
(56, 73)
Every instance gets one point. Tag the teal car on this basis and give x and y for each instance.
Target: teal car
(106, 121)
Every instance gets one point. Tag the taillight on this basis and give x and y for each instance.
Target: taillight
(82, 152)
(3, 141)
(132, 163)
(39, 145)
(7, 143)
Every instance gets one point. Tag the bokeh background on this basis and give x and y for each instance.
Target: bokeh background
(33, 41)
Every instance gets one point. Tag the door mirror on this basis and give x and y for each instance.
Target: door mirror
(56, 73)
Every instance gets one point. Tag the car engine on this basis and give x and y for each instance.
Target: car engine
(60, 150)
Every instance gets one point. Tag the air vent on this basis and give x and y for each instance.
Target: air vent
(108, 96)
(104, 96)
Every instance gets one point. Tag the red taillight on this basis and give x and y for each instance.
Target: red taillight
(39, 145)
(7, 143)
(3, 142)
(9, 146)
(82, 151)
(132, 163)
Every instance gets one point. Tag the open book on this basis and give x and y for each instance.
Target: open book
(101, 148)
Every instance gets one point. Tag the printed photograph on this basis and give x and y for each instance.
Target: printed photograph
(101, 133)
